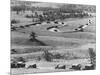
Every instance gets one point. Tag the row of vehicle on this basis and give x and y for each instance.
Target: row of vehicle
(59, 66)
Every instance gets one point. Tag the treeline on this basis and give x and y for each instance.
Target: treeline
(62, 9)
(48, 56)
(50, 14)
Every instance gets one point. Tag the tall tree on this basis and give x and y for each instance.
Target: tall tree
(47, 56)
(32, 36)
(92, 56)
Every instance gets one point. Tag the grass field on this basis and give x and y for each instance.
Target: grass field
(78, 42)
(72, 46)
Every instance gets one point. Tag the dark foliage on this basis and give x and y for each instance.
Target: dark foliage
(14, 21)
(47, 56)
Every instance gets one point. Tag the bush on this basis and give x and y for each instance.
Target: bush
(58, 56)
(13, 51)
(29, 16)
(14, 21)
(92, 55)
(21, 59)
(47, 56)
(18, 59)
(32, 36)
(21, 26)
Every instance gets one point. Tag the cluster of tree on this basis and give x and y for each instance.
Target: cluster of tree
(59, 15)
(52, 16)
(20, 8)
(45, 9)
(18, 59)
(50, 56)
(32, 36)
(13, 21)
(47, 56)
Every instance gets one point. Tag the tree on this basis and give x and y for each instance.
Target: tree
(41, 19)
(36, 14)
(92, 56)
(32, 36)
(59, 56)
(19, 8)
(16, 8)
(21, 59)
(47, 56)
(18, 59)
(13, 51)
(13, 21)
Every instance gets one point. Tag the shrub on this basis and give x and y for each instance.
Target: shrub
(21, 59)
(32, 36)
(13, 51)
(29, 16)
(47, 56)
(14, 21)
(92, 55)
(59, 56)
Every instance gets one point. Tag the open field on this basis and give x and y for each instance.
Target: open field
(69, 39)
(78, 42)
(66, 47)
